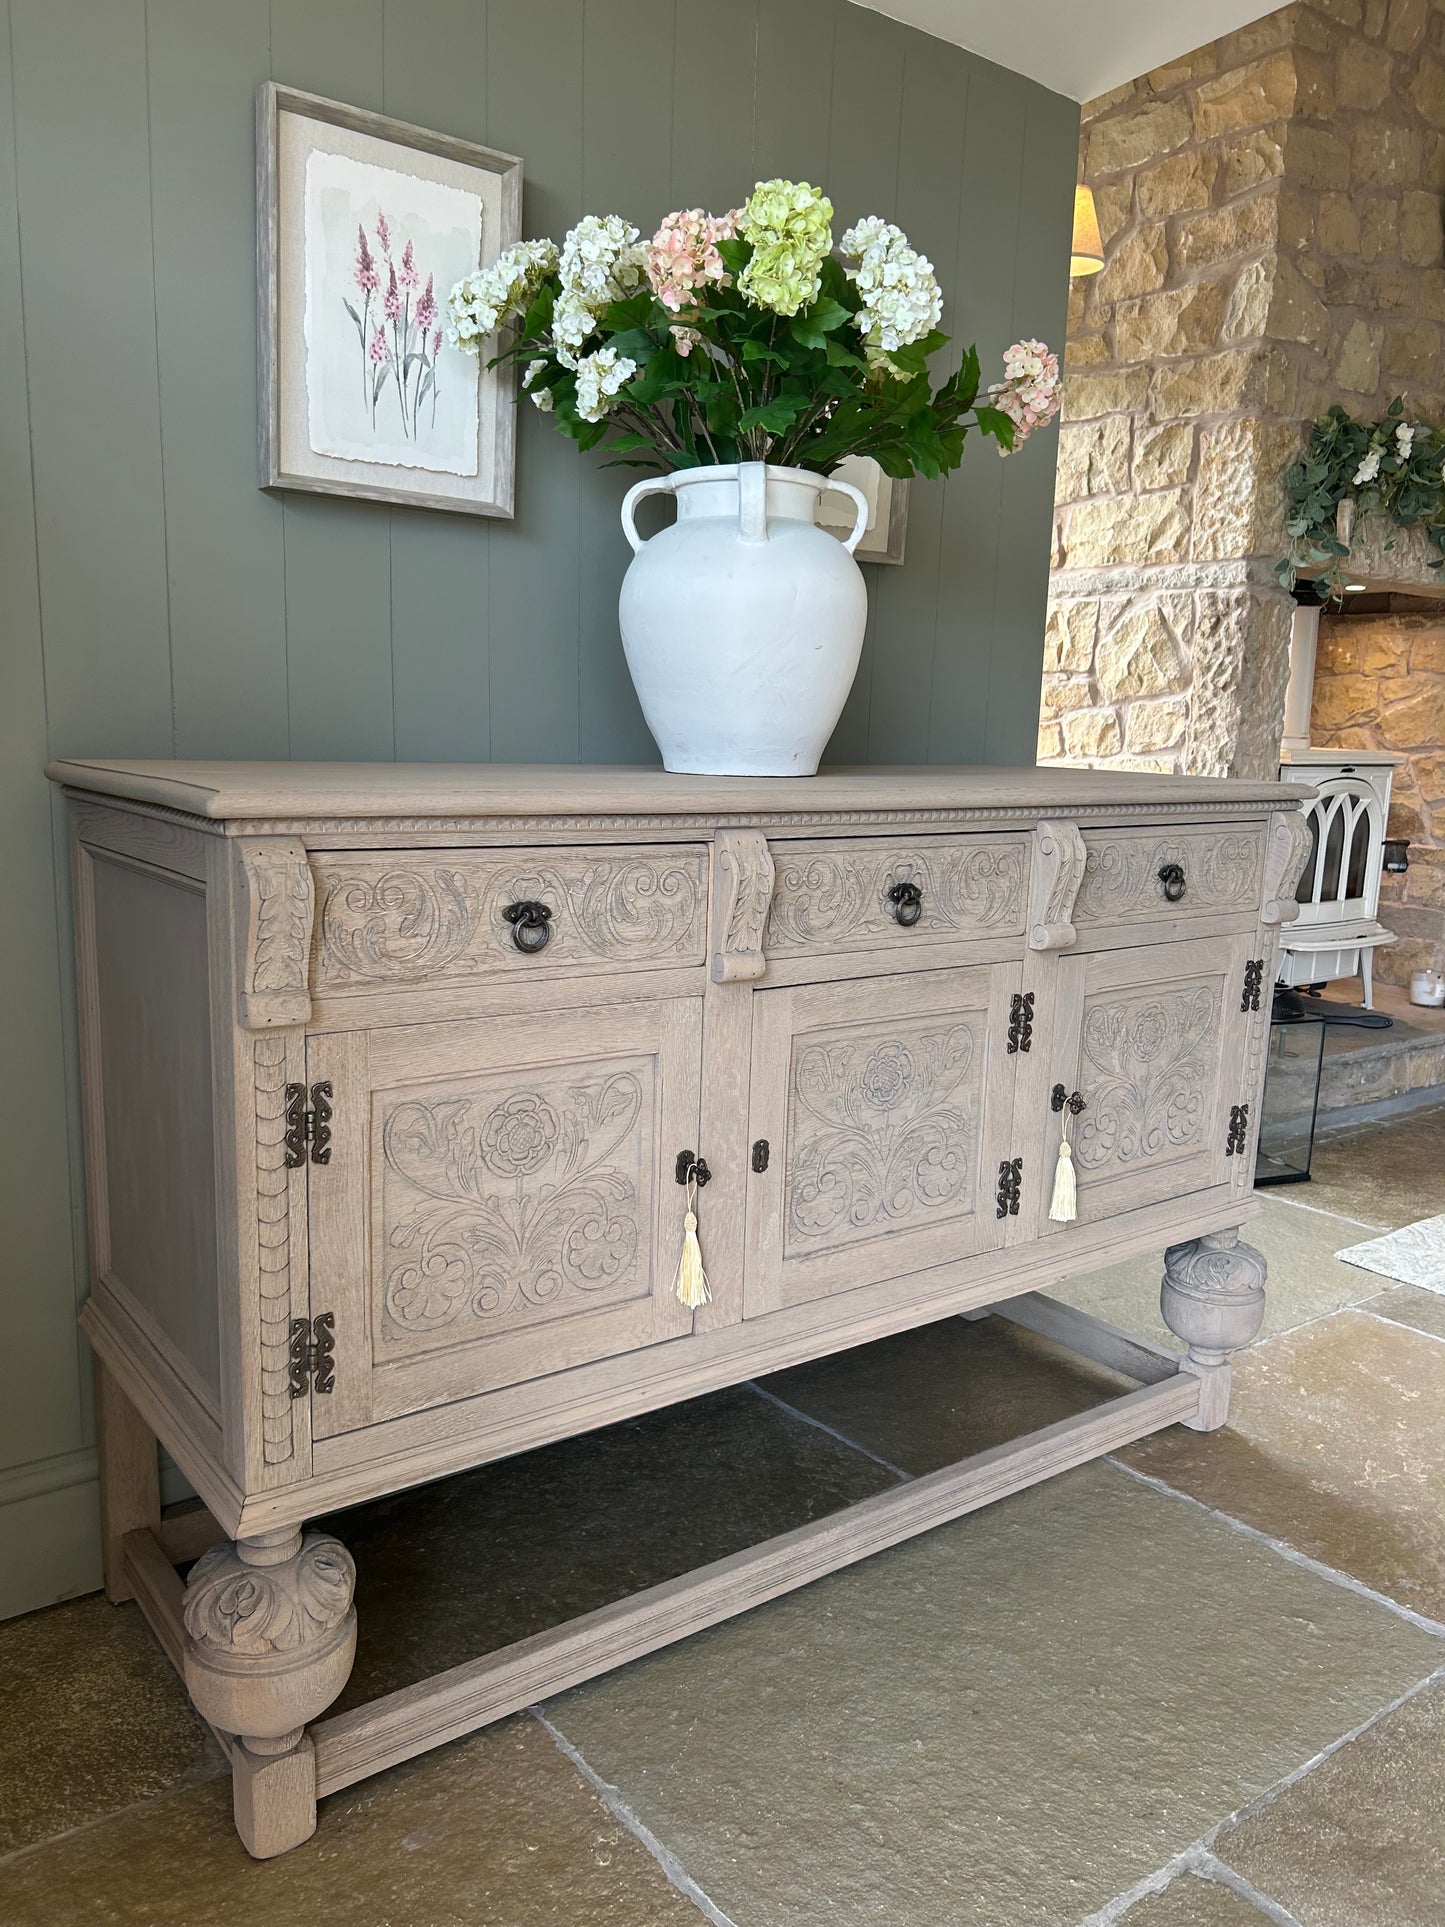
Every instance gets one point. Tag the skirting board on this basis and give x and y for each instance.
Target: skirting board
(367, 1739)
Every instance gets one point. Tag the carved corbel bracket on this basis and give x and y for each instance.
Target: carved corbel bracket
(1284, 857)
(279, 902)
(742, 892)
(1055, 874)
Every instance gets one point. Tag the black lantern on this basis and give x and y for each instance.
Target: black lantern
(1397, 854)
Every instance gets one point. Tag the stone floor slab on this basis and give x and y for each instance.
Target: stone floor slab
(1424, 1311)
(1191, 1901)
(1386, 1175)
(91, 1718)
(497, 1831)
(1360, 1840)
(1306, 1280)
(1005, 1723)
(1335, 1444)
(472, 1563)
(928, 1397)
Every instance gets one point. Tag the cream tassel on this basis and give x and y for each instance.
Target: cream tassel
(691, 1283)
(1064, 1204)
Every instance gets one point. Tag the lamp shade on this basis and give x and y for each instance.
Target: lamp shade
(1088, 249)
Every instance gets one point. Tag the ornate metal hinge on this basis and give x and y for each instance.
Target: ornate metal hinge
(308, 1129)
(311, 1355)
(1238, 1129)
(1020, 1021)
(1253, 984)
(1010, 1179)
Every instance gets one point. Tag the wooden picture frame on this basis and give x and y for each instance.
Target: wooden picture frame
(360, 417)
(886, 533)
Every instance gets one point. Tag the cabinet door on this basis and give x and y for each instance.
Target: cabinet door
(500, 1199)
(885, 1106)
(1154, 1041)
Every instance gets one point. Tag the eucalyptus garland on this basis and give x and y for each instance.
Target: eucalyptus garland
(1391, 465)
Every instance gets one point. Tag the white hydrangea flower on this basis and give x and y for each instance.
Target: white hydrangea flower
(599, 376)
(1405, 440)
(542, 397)
(1369, 468)
(902, 300)
(480, 302)
(601, 261)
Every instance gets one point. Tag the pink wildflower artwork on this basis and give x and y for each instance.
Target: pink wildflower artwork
(405, 342)
(682, 257)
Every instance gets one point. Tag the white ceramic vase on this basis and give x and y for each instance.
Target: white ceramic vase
(743, 620)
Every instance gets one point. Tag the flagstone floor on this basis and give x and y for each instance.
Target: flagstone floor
(1199, 1685)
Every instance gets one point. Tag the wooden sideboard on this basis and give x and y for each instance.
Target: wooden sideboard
(395, 1078)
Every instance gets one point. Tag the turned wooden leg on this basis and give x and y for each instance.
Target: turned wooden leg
(270, 1637)
(130, 1485)
(1213, 1298)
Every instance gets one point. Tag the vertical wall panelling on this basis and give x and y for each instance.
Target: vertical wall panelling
(862, 178)
(338, 553)
(224, 538)
(159, 604)
(1040, 305)
(535, 109)
(441, 666)
(988, 246)
(39, 1391)
(629, 116)
(793, 90)
(930, 174)
(83, 176)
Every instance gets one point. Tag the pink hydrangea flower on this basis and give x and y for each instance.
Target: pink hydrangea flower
(409, 275)
(367, 278)
(1030, 391)
(682, 256)
(684, 339)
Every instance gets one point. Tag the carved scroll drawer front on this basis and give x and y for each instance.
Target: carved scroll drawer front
(434, 916)
(866, 893)
(1136, 877)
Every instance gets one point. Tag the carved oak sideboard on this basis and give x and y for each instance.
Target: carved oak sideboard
(399, 1082)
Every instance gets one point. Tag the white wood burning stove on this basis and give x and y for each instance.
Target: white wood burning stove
(1338, 929)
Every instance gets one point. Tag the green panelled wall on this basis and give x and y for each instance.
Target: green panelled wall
(157, 604)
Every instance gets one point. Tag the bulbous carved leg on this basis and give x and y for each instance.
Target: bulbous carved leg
(1213, 1298)
(270, 1638)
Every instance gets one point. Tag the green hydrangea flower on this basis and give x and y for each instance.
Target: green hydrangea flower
(788, 226)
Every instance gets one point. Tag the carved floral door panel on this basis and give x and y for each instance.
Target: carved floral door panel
(885, 1106)
(500, 1199)
(1154, 1042)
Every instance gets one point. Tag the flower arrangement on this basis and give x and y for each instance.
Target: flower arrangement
(746, 337)
(1392, 465)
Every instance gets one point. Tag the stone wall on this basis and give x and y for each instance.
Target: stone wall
(1271, 213)
(1380, 684)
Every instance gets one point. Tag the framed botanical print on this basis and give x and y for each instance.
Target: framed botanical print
(887, 499)
(363, 225)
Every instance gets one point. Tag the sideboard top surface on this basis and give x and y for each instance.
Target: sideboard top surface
(248, 792)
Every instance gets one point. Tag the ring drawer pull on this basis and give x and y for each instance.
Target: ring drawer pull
(1172, 877)
(907, 901)
(531, 925)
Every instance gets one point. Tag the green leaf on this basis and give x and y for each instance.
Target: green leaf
(755, 350)
(775, 416)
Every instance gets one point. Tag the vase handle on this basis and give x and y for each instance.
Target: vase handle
(753, 501)
(860, 502)
(650, 485)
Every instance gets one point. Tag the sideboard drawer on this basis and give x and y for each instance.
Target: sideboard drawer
(1137, 877)
(420, 917)
(834, 896)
